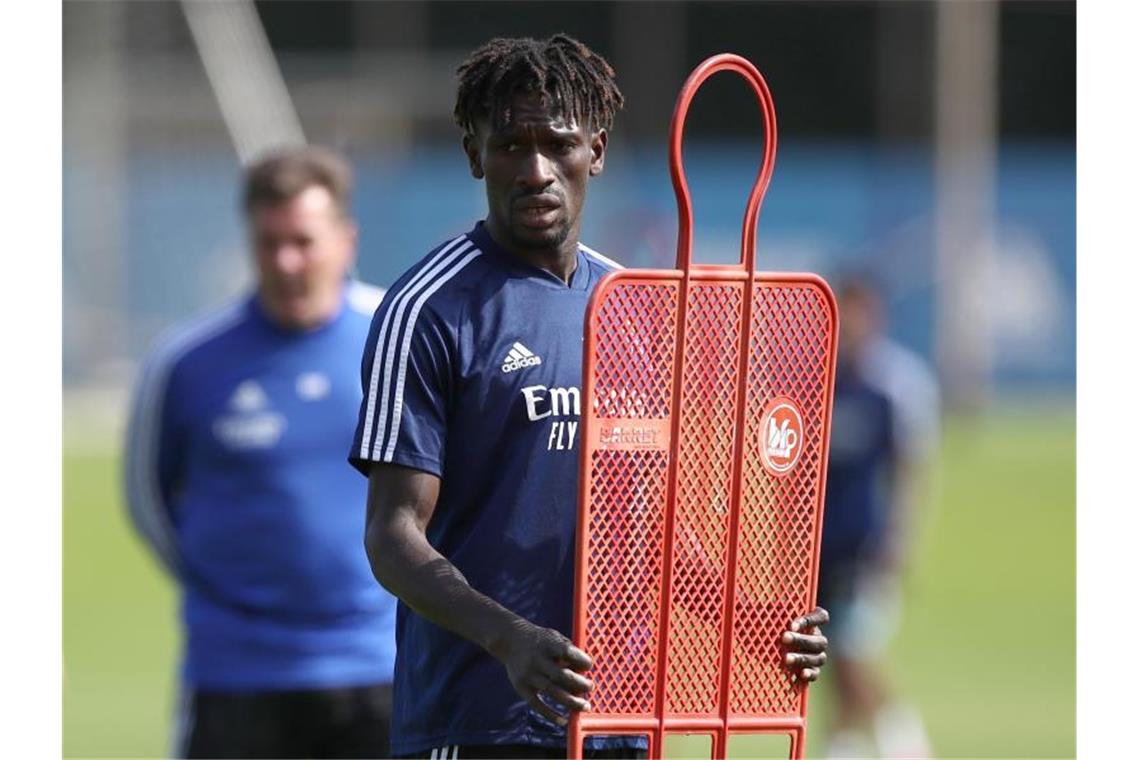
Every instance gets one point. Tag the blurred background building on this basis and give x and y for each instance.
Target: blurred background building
(930, 145)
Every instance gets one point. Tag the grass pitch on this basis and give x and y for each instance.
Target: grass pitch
(987, 649)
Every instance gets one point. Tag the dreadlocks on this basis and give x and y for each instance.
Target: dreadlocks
(574, 80)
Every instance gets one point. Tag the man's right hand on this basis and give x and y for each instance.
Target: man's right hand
(541, 662)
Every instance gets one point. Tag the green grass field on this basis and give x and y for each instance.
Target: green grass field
(987, 648)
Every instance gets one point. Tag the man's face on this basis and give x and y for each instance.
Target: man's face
(536, 167)
(859, 323)
(304, 248)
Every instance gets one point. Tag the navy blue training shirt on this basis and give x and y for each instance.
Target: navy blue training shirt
(860, 455)
(236, 477)
(472, 372)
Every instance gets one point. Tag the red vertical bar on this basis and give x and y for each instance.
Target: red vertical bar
(736, 494)
(574, 737)
(720, 743)
(724, 62)
(797, 748)
(669, 520)
(575, 734)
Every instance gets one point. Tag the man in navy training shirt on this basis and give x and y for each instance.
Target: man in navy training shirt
(236, 478)
(884, 423)
(468, 427)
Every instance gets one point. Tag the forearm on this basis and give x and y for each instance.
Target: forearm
(149, 515)
(410, 568)
(152, 456)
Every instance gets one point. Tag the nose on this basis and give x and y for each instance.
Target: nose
(287, 260)
(536, 171)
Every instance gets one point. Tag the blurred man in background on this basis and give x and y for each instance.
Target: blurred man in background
(883, 432)
(235, 477)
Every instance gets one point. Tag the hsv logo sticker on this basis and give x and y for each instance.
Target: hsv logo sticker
(781, 436)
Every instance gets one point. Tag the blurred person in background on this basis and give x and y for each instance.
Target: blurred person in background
(883, 432)
(235, 477)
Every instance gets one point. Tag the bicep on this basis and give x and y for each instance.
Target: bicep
(400, 496)
(406, 388)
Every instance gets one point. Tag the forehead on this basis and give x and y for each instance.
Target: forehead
(311, 207)
(530, 111)
(314, 200)
(859, 298)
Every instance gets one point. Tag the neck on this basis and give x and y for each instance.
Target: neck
(288, 321)
(560, 261)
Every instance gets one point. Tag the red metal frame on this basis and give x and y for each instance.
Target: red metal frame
(683, 622)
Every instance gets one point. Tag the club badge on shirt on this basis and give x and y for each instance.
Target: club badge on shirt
(313, 386)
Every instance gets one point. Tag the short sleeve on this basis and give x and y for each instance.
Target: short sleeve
(407, 389)
(914, 395)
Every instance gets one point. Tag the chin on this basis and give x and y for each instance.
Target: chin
(544, 238)
(296, 316)
(293, 321)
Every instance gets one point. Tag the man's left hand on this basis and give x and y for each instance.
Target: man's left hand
(805, 648)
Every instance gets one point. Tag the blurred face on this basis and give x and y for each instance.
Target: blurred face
(536, 167)
(304, 249)
(858, 324)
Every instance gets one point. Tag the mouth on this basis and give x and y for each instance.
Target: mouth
(291, 295)
(537, 211)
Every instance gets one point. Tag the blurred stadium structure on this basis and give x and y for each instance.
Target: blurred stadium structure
(931, 144)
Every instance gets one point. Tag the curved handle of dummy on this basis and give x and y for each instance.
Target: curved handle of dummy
(710, 66)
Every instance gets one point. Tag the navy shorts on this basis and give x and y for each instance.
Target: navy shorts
(347, 722)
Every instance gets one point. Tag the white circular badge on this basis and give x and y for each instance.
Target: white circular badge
(781, 436)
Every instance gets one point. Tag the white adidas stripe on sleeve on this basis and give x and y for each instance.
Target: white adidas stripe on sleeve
(397, 298)
(398, 408)
(390, 359)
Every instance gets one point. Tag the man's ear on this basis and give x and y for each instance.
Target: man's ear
(598, 151)
(343, 242)
(474, 156)
(352, 235)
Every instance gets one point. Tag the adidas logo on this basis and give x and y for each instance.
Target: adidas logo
(520, 357)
